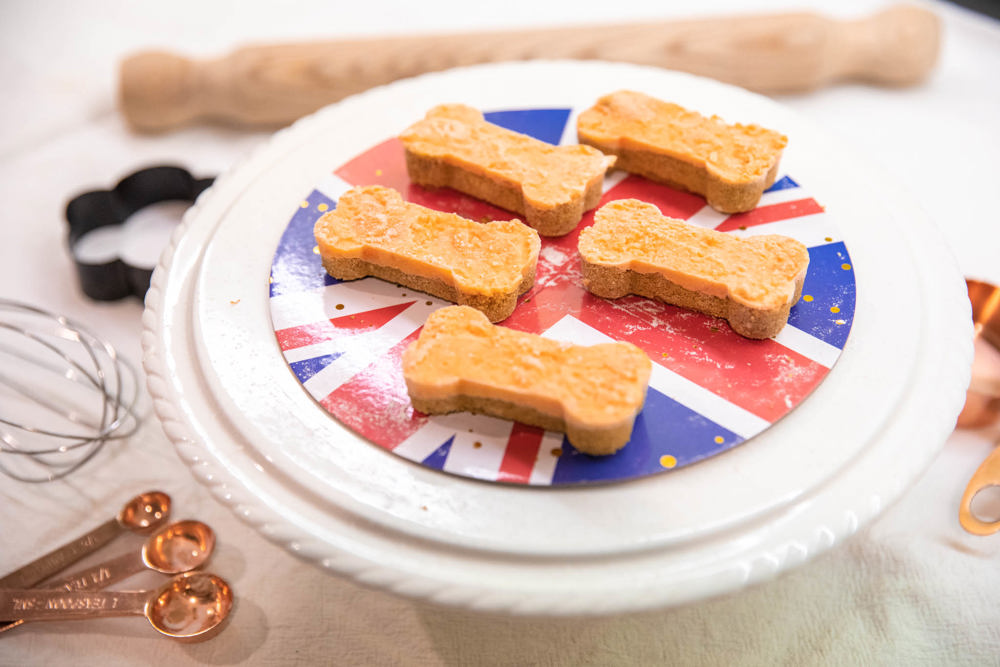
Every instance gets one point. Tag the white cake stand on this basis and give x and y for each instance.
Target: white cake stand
(252, 435)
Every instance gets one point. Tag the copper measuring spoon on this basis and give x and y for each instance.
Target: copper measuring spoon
(177, 547)
(142, 514)
(188, 606)
(982, 406)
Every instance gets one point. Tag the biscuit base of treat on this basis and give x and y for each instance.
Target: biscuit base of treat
(612, 283)
(556, 221)
(684, 175)
(592, 441)
(496, 307)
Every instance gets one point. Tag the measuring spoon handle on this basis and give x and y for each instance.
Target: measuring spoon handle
(102, 575)
(54, 605)
(94, 578)
(55, 561)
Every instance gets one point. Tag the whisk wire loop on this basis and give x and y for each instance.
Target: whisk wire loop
(64, 393)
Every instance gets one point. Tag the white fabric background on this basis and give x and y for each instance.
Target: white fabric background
(911, 589)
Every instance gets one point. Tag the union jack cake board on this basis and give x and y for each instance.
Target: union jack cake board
(710, 389)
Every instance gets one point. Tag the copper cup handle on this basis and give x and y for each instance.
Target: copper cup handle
(988, 474)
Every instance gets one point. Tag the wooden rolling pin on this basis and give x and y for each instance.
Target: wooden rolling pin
(273, 85)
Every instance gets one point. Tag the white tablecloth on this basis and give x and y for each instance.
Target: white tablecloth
(912, 588)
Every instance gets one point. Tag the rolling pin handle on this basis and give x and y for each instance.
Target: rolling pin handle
(897, 46)
(158, 90)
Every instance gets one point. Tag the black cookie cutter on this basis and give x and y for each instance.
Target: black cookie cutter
(116, 279)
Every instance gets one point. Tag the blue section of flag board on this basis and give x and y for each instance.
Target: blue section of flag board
(543, 124)
(306, 368)
(783, 183)
(296, 268)
(691, 437)
(828, 285)
(437, 458)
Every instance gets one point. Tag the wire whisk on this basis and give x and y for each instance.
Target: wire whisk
(64, 393)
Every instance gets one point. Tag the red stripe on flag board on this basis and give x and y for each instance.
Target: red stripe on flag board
(382, 165)
(773, 213)
(520, 455)
(546, 306)
(760, 376)
(375, 403)
(317, 332)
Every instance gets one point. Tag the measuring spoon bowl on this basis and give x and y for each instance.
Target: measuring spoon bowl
(146, 512)
(190, 605)
(177, 547)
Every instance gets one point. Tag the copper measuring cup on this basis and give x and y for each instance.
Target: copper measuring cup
(982, 406)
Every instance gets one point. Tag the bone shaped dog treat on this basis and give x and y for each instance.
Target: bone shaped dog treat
(374, 232)
(729, 165)
(551, 186)
(461, 362)
(634, 249)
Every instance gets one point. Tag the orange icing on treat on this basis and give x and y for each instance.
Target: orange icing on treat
(591, 387)
(376, 225)
(758, 271)
(548, 175)
(630, 120)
